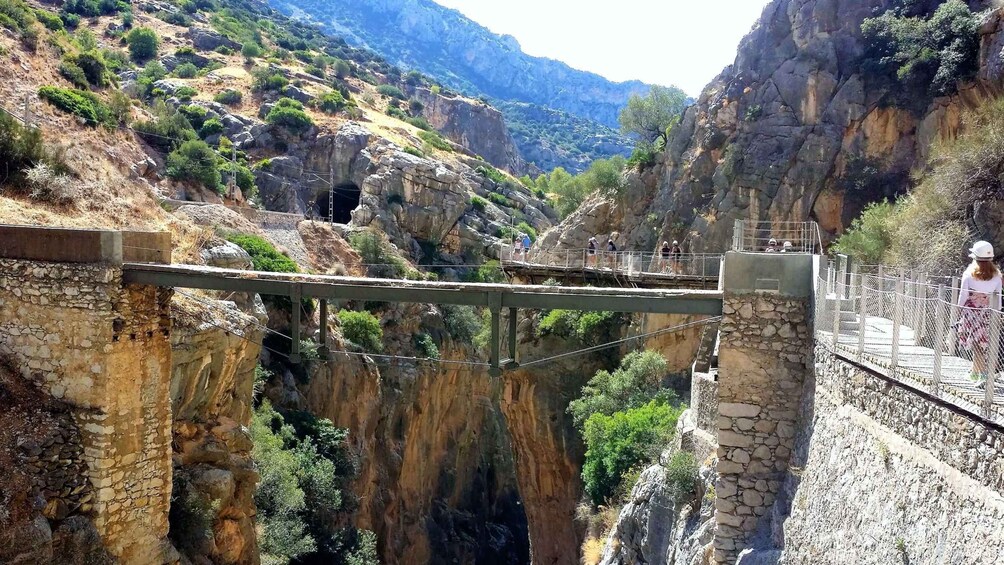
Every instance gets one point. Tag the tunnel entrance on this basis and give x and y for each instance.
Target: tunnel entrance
(346, 199)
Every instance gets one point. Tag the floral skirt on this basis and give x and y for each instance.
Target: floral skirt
(974, 323)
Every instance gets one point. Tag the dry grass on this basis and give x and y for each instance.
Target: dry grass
(329, 253)
(592, 551)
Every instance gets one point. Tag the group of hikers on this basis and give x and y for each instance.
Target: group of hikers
(669, 259)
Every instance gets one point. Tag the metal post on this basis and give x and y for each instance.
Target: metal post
(881, 288)
(897, 320)
(940, 317)
(294, 329)
(323, 350)
(993, 356)
(862, 316)
(495, 307)
(953, 318)
(512, 338)
(836, 318)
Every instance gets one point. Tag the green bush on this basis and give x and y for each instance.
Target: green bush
(73, 73)
(16, 15)
(391, 91)
(681, 476)
(51, 21)
(589, 328)
(490, 272)
(526, 228)
(264, 256)
(245, 179)
(212, 126)
(267, 80)
(923, 53)
(479, 204)
(426, 346)
(493, 174)
(196, 115)
(434, 139)
(462, 322)
(420, 123)
(22, 148)
(617, 443)
(362, 329)
(414, 151)
(229, 97)
(92, 64)
(331, 102)
(499, 200)
(85, 105)
(195, 161)
(870, 235)
(637, 381)
(376, 254)
(641, 158)
(185, 93)
(395, 112)
(142, 43)
(289, 114)
(167, 130)
(251, 50)
(186, 70)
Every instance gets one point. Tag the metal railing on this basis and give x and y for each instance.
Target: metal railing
(755, 236)
(911, 328)
(629, 263)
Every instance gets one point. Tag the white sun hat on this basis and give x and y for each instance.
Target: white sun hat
(787, 244)
(982, 250)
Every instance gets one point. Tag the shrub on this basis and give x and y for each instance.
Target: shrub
(331, 102)
(870, 235)
(420, 123)
(185, 93)
(376, 254)
(245, 179)
(395, 112)
(116, 60)
(414, 151)
(51, 21)
(229, 97)
(142, 43)
(462, 322)
(196, 115)
(251, 50)
(186, 70)
(49, 186)
(479, 203)
(73, 73)
(191, 515)
(167, 130)
(526, 228)
(681, 475)
(264, 256)
(390, 91)
(426, 346)
(362, 329)
(493, 174)
(499, 200)
(195, 161)
(637, 381)
(289, 114)
(82, 104)
(920, 54)
(617, 443)
(212, 126)
(21, 149)
(266, 80)
(587, 327)
(490, 272)
(434, 139)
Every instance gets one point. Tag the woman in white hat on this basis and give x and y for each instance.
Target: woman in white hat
(979, 282)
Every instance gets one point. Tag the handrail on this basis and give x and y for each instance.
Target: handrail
(753, 236)
(630, 263)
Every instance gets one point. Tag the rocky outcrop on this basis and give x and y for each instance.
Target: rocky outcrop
(473, 125)
(794, 130)
(215, 349)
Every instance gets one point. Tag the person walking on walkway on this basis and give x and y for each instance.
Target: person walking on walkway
(612, 251)
(526, 246)
(664, 255)
(591, 252)
(979, 282)
(677, 257)
(771, 246)
(517, 249)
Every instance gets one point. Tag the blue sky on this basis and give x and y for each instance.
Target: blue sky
(681, 42)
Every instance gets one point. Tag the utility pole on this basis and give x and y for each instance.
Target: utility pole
(233, 171)
(331, 203)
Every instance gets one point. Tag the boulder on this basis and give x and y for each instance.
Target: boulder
(208, 40)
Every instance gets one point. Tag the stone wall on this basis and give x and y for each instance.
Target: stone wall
(107, 355)
(704, 402)
(887, 475)
(764, 357)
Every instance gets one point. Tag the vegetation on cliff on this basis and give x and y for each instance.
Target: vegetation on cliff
(956, 201)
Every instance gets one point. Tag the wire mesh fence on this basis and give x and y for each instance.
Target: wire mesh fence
(914, 330)
(629, 263)
(782, 237)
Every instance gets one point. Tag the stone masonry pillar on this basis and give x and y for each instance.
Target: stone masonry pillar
(104, 349)
(765, 354)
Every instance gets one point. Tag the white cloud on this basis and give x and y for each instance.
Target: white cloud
(681, 42)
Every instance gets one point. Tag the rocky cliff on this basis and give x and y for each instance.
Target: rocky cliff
(443, 43)
(795, 129)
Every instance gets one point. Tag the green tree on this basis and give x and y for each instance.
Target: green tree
(195, 161)
(637, 381)
(143, 43)
(362, 329)
(617, 443)
(870, 235)
(650, 117)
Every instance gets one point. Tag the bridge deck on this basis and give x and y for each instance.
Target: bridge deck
(664, 301)
(619, 277)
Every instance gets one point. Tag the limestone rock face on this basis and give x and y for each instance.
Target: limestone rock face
(477, 127)
(215, 350)
(793, 130)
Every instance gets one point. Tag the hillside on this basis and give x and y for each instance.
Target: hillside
(465, 56)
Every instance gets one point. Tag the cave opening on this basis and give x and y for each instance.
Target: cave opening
(346, 199)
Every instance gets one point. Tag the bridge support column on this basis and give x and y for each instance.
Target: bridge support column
(103, 348)
(764, 356)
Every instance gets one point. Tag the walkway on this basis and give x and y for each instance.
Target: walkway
(922, 354)
(621, 268)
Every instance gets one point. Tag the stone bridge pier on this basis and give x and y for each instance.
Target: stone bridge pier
(765, 355)
(104, 349)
